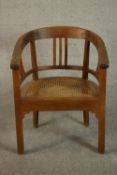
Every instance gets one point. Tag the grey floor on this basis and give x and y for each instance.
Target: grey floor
(61, 145)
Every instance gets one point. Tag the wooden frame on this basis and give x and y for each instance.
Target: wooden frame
(96, 105)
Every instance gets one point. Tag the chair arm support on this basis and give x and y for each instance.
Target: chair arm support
(16, 84)
(102, 85)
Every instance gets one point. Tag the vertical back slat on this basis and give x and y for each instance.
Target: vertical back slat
(54, 51)
(66, 51)
(34, 60)
(60, 51)
(86, 59)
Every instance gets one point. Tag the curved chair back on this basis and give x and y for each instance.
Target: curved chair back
(63, 34)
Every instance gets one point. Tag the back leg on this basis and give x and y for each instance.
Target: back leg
(86, 118)
(35, 119)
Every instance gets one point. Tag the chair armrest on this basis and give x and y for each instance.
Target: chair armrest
(19, 46)
(103, 61)
(103, 56)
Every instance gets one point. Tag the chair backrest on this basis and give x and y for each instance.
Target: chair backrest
(61, 34)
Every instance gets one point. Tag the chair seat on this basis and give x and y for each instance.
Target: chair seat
(59, 87)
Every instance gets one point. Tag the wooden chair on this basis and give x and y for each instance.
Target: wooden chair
(60, 93)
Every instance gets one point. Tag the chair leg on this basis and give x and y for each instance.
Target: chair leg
(35, 119)
(86, 118)
(101, 132)
(19, 134)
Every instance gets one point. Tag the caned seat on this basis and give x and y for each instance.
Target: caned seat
(59, 88)
(59, 93)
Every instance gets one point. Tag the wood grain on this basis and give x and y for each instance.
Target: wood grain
(59, 93)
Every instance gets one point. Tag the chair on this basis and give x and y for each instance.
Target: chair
(59, 93)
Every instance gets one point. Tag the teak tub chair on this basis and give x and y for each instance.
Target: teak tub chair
(60, 93)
